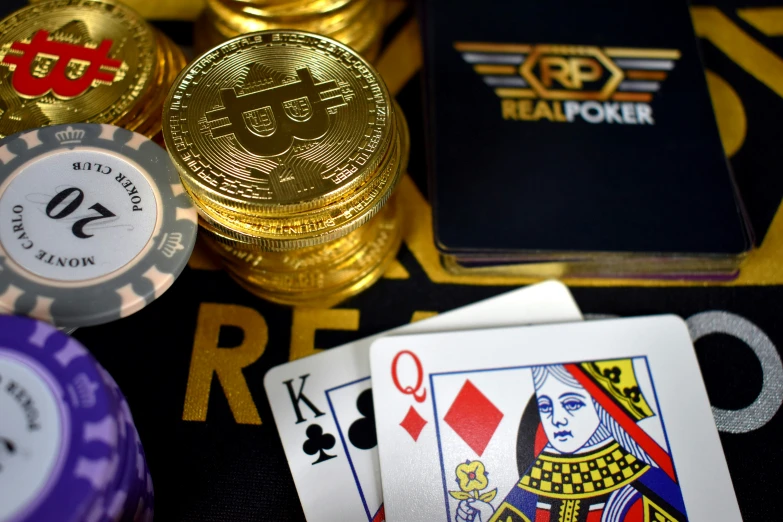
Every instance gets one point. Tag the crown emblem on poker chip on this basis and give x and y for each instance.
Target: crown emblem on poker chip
(171, 244)
(83, 391)
(69, 136)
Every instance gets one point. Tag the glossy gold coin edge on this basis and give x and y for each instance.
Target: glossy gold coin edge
(283, 242)
(238, 254)
(334, 295)
(249, 223)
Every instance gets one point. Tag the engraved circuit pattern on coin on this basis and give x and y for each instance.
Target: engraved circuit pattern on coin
(72, 61)
(277, 121)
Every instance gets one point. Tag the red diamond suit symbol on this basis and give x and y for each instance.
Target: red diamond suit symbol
(473, 417)
(413, 423)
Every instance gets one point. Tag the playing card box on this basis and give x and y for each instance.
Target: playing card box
(565, 132)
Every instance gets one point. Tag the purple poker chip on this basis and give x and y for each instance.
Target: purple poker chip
(146, 507)
(120, 501)
(112, 504)
(141, 493)
(59, 440)
(130, 496)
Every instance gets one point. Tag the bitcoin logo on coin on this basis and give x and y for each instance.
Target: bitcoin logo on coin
(266, 122)
(75, 67)
(69, 61)
(277, 121)
(290, 145)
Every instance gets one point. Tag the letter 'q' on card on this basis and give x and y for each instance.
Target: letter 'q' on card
(596, 421)
(323, 405)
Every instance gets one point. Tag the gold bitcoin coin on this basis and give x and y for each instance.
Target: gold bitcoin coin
(277, 122)
(363, 26)
(388, 158)
(289, 11)
(326, 286)
(171, 63)
(304, 229)
(405, 136)
(247, 18)
(70, 61)
(245, 257)
(144, 108)
(357, 23)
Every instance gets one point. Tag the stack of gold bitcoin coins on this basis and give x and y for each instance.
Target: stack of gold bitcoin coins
(290, 146)
(356, 23)
(68, 61)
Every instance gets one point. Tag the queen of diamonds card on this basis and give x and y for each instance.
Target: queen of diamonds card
(602, 421)
(586, 449)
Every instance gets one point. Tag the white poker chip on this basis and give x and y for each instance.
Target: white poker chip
(94, 223)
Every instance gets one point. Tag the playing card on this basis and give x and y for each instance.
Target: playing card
(323, 406)
(582, 422)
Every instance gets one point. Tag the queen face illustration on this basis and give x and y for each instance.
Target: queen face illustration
(568, 414)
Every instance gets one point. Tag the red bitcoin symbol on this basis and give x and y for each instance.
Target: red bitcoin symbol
(410, 390)
(57, 80)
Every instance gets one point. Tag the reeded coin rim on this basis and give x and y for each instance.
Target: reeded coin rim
(292, 241)
(333, 295)
(250, 222)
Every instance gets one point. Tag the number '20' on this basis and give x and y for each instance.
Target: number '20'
(61, 206)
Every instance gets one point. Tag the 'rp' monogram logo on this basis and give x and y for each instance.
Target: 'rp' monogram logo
(266, 122)
(570, 72)
(94, 63)
(563, 83)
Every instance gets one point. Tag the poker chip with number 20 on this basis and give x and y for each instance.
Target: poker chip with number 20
(94, 223)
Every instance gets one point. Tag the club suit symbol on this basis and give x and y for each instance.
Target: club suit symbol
(317, 442)
(266, 122)
(362, 432)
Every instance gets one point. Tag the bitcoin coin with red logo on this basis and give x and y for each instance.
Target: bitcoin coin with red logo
(67, 61)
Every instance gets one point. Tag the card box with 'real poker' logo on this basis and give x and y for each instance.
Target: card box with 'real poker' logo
(576, 138)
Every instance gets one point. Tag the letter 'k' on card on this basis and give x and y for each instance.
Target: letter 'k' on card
(323, 404)
(580, 422)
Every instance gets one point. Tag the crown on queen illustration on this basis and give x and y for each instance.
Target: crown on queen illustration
(618, 380)
(171, 243)
(69, 135)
